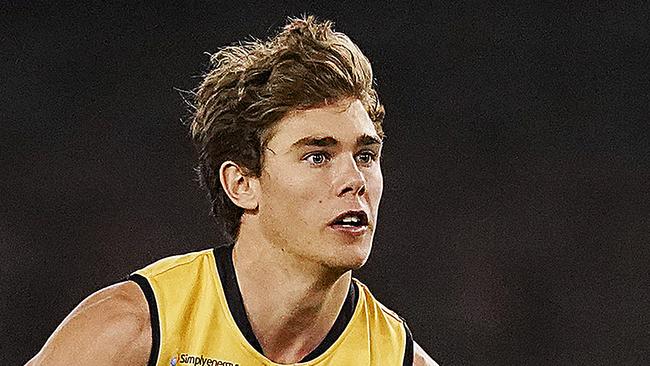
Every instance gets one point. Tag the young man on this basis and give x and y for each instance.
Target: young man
(289, 138)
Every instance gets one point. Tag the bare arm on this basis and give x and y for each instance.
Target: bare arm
(420, 357)
(110, 327)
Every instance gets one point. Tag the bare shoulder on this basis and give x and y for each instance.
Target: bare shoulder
(110, 327)
(421, 358)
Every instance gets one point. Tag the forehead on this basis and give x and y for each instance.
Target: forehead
(344, 121)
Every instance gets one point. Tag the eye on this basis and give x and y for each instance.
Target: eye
(366, 157)
(317, 158)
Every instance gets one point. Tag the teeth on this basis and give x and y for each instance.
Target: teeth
(351, 219)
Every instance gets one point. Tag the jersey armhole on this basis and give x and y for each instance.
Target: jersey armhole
(408, 349)
(147, 290)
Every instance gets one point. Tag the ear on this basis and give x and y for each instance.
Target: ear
(242, 189)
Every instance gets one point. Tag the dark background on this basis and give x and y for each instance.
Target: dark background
(514, 225)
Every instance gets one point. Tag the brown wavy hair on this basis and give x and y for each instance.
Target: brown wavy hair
(251, 86)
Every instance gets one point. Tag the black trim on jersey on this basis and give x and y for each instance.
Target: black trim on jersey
(408, 350)
(341, 322)
(153, 312)
(226, 269)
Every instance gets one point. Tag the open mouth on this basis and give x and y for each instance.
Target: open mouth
(351, 221)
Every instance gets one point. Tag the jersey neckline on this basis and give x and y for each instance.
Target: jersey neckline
(228, 278)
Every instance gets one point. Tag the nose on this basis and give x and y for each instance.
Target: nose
(350, 180)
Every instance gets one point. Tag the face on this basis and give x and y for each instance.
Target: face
(321, 184)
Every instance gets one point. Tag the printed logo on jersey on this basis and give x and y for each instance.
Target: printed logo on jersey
(187, 359)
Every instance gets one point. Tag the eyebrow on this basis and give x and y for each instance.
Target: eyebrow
(328, 141)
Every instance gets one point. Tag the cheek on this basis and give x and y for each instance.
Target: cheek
(375, 184)
(289, 194)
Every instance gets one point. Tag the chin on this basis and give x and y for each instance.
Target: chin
(352, 257)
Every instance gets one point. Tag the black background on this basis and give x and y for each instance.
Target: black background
(514, 225)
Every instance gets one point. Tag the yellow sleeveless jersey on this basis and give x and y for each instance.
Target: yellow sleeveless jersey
(198, 318)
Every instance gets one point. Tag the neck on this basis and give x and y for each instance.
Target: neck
(291, 304)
